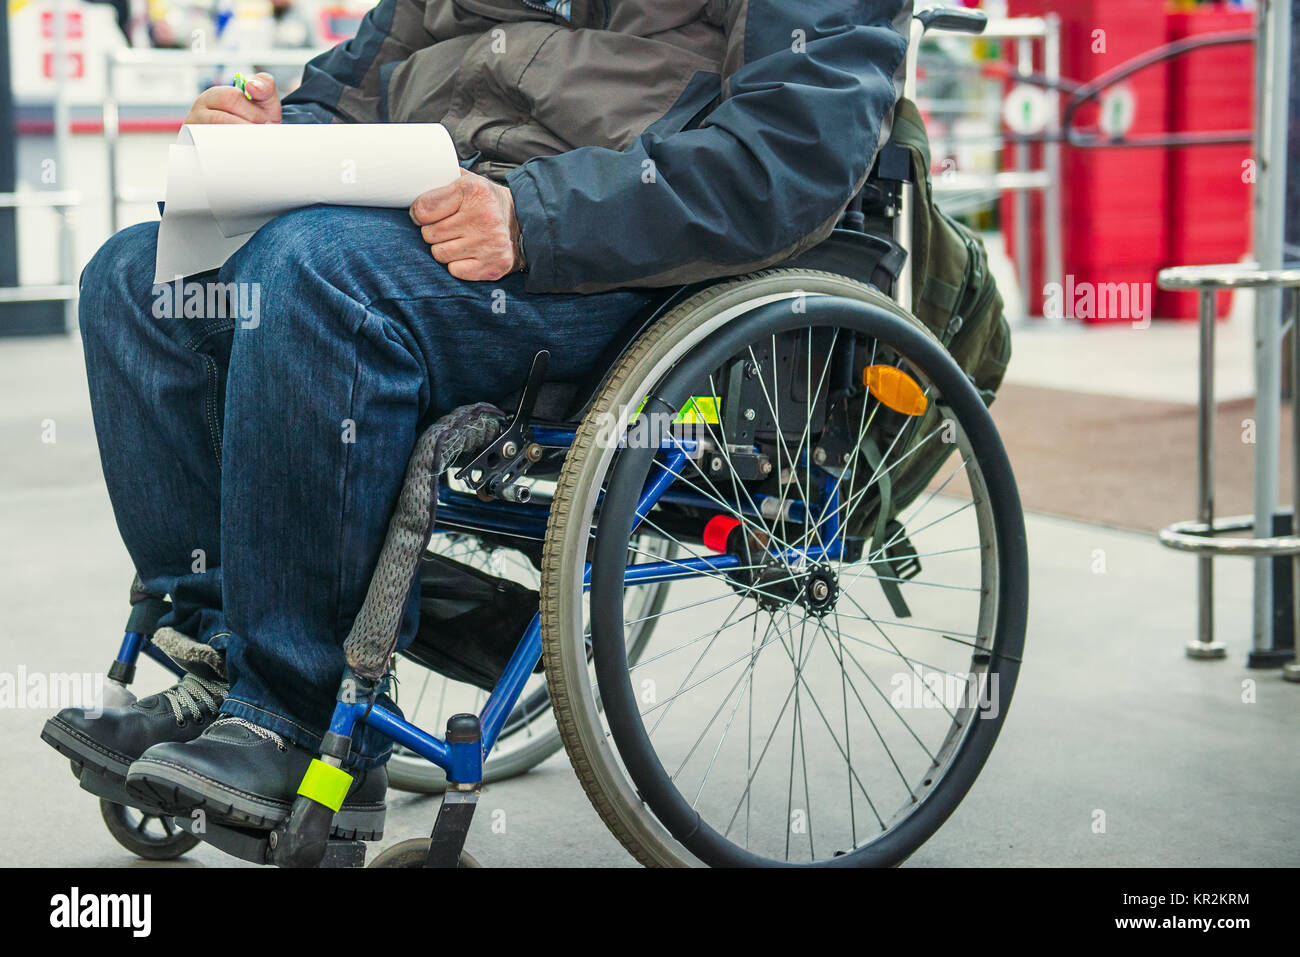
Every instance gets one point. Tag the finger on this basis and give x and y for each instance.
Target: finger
(227, 99)
(470, 270)
(453, 227)
(438, 204)
(261, 87)
(204, 116)
(476, 270)
(470, 220)
(453, 250)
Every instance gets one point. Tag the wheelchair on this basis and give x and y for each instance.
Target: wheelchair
(749, 655)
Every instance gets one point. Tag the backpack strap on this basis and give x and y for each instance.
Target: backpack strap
(880, 534)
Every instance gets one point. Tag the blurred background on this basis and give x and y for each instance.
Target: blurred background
(1096, 188)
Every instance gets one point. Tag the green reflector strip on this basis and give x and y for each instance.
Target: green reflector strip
(701, 410)
(325, 784)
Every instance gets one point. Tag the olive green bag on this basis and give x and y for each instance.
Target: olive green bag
(955, 297)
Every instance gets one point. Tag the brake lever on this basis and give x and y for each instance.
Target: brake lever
(494, 471)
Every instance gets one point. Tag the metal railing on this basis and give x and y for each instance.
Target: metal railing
(1199, 535)
(59, 200)
(1027, 33)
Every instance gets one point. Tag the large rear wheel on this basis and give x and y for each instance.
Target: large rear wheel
(830, 697)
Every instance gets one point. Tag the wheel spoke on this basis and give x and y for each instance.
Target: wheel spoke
(733, 510)
(762, 754)
(809, 583)
(713, 674)
(844, 749)
(910, 663)
(659, 656)
(746, 675)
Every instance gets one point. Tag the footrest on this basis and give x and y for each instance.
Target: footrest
(108, 788)
(249, 844)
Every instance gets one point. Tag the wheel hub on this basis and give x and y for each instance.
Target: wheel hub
(820, 591)
(816, 589)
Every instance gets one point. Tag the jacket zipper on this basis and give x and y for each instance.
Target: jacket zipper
(544, 8)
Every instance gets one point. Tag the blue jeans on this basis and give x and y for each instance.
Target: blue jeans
(254, 436)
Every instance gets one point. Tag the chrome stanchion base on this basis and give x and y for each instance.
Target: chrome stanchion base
(1206, 650)
(1198, 537)
(1291, 672)
(1262, 659)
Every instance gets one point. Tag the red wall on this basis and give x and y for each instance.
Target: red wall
(1128, 212)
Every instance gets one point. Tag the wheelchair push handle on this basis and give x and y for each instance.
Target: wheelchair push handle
(953, 20)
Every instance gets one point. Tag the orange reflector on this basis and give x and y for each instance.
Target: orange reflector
(895, 389)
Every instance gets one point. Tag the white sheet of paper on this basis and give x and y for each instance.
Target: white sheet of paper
(224, 182)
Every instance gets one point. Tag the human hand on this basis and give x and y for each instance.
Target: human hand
(226, 104)
(471, 228)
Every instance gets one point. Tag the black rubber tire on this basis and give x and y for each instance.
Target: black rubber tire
(413, 853)
(125, 831)
(652, 842)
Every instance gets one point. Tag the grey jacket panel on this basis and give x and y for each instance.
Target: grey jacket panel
(345, 85)
(556, 89)
(647, 142)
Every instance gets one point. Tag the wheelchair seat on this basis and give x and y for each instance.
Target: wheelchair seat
(866, 257)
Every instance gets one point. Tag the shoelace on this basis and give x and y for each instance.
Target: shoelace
(195, 695)
(258, 730)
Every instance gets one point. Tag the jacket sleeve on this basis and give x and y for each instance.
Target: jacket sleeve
(807, 102)
(346, 84)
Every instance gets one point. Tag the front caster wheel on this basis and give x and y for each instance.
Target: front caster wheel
(412, 853)
(149, 836)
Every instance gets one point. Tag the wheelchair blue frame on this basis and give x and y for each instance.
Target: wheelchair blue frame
(134, 644)
(463, 761)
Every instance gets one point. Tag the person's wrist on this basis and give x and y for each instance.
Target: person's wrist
(517, 234)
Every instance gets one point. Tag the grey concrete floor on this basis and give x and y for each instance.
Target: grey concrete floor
(1192, 763)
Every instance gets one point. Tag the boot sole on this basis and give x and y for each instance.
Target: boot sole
(84, 752)
(99, 771)
(180, 791)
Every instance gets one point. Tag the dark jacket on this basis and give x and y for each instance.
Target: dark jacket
(646, 142)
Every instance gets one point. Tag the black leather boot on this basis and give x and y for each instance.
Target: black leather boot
(242, 774)
(102, 745)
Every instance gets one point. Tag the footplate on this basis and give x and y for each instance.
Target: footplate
(111, 788)
(257, 846)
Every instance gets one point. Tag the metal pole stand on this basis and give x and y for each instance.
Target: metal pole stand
(1199, 536)
(1291, 672)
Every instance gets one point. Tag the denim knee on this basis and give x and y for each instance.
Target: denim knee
(118, 281)
(352, 251)
(286, 247)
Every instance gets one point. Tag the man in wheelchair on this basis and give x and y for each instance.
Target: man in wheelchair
(611, 150)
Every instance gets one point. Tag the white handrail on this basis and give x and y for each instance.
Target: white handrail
(127, 56)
